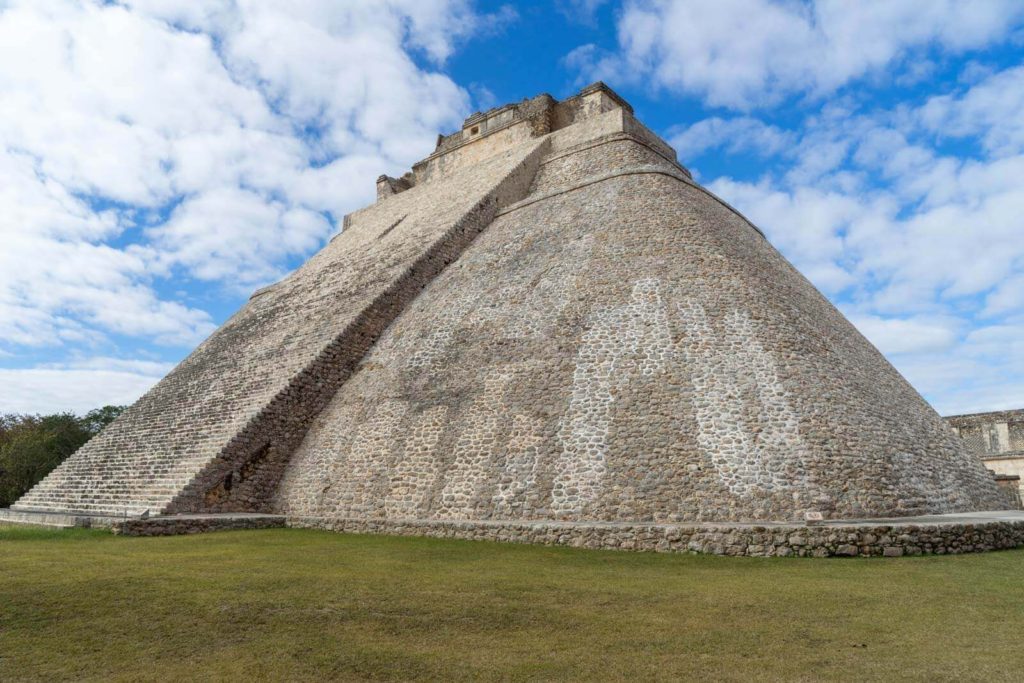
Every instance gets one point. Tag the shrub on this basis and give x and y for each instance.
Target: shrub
(33, 445)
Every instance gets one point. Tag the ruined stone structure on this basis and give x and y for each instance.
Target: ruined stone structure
(545, 321)
(998, 439)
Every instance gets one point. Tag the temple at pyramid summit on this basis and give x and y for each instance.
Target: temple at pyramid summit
(546, 331)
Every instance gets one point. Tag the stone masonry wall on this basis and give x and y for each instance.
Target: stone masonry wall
(244, 476)
(553, 324)
(752, 541)
(215, 432)
(179, 525)
(998, 439)
(989, 435)
(621, 346)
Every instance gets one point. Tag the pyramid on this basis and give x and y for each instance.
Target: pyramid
(547, 319)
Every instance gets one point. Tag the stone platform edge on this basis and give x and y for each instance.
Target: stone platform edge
(177, 525)
(168, 525)
(62, 520)
(889, 539)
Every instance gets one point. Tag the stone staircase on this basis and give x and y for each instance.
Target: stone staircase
(118, 486)
(213, 435)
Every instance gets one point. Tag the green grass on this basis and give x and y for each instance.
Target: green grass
(303, 605)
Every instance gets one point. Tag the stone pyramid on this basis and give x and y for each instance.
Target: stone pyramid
(546, 319)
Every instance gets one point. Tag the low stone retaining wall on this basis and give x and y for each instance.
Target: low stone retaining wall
(195, 524)
(62, 520)
(889, 540)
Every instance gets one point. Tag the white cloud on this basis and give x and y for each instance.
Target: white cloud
(733, 135)
(806, 224)
(900, 256)
(77, 387)
(914, 227)
(213, 141)
(230, 234)
(908, 335)
(990, 110)
(137, 365)
(984, 371)
(746, 53)
(1007, 296)
(59, 290)
(925, 251)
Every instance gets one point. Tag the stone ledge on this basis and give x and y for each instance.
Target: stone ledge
(176, 525)
(646, 169)
(611, 138)
(932, 535)
(63, 520)
(1005, 455)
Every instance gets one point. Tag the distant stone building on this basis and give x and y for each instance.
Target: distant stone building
(546, 321)
(998, 439)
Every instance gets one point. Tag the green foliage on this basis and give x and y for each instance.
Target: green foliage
(32, 445)
(95, 420)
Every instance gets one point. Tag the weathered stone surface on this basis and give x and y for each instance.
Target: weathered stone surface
(178, 525)
(621, 346)
(937, 538)
(216, 432)
(991, 435)
(998, 439)
(547, 321)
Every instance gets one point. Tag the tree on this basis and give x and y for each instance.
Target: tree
(33, 445)
(95, 420)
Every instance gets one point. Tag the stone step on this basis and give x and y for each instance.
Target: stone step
(77, 492)
(108, 493)
(64, 520)
(116, 506)
(265, 376)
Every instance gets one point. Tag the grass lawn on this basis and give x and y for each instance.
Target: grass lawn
(302, 605)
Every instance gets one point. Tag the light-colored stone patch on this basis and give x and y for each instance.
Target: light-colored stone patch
(621, 342)
(362, 477)
(413, 476)
(519, 476)
(470, 467)
(746, 424)
(430, 349)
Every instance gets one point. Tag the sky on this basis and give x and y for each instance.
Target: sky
(160, 160)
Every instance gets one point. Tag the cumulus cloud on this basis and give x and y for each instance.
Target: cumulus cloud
(149, 144)
(734, 135)
(219, 139)
(925, 251)
(77, 387)
(908, 335)
(990, 110)
(748, 53)
(984, 371)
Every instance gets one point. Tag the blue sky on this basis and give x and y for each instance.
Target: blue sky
(160, 160)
